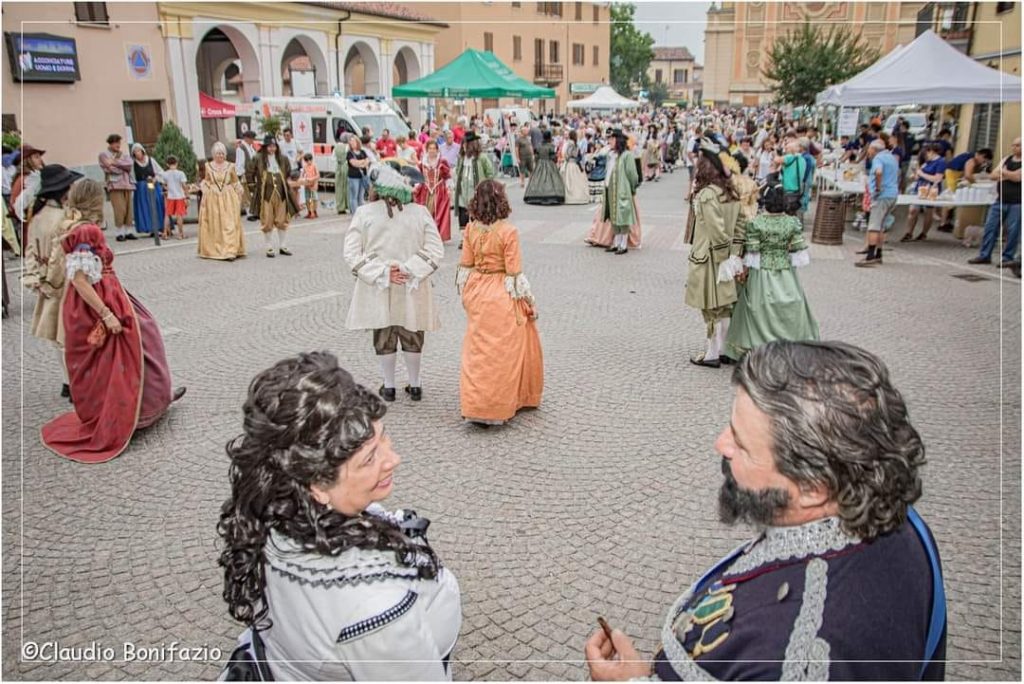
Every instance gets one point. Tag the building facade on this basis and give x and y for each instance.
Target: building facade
(739, 35)
(559, 45)
(84, 70)
(677, 69)
(237, 51)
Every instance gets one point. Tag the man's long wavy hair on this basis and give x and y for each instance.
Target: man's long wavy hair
(837, 421)
(304, 418)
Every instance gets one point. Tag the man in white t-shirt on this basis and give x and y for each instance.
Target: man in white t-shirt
(290, 149)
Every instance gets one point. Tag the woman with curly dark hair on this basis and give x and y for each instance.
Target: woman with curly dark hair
(336, 587)
(502, 361)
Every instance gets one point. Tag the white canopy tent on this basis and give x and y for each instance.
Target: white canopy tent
(928, 71)
(604, 97)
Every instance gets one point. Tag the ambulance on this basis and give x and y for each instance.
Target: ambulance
(318, 122)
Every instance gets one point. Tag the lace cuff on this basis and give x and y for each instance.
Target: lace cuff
(86, 262)
(383, 281)
(800, 259)
(729, 269)
(413, 283)
(518, 287)
(462, 274)
(752, 260)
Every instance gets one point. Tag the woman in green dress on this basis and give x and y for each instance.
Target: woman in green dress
(341, 175)
(772, 304)
(545, 186)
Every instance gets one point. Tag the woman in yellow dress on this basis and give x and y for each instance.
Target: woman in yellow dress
(502, 361)
(220, 220)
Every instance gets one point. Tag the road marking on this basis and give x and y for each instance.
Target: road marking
(168, 331)
(993, 273)
(288, 303)
(679, 245)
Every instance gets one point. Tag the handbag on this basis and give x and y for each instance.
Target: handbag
(248, 662)
(98, 335)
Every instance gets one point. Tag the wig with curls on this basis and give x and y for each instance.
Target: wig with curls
(304, 418)
(837, 421)
(490, 203)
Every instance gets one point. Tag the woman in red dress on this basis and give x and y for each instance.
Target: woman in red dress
(433, 191)
(113, 350)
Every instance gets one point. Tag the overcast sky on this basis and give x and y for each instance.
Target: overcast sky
(674, 24)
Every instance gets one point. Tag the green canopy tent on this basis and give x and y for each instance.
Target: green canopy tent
(473, 74)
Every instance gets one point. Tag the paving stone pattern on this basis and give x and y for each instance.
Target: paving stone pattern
(602, 502)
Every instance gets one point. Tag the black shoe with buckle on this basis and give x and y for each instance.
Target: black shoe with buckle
(701, 361)
(285, 251)
(726, 360)
(415, 393)
(120, 238)
(130, 236)
(387, 393)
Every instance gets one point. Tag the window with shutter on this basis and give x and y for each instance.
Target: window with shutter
(92, 13)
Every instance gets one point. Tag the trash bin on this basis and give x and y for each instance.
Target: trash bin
(828, 219)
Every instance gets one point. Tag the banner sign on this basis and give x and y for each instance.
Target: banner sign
(848, 118)
(42, 58)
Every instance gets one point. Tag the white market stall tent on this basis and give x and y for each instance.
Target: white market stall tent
(928, 71)
(604, 97)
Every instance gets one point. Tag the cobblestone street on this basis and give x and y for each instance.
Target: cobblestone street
(602, 502)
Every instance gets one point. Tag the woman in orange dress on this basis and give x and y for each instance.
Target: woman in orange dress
(502, 361)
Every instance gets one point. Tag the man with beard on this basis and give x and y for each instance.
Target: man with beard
(843, 580)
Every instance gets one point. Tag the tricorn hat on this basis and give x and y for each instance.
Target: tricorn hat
(54, 178)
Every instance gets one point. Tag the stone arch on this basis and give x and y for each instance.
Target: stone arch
(219, 47)
(298, 44)
(405, 67)
(362, 70)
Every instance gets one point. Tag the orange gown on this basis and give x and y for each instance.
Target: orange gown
(502, 361)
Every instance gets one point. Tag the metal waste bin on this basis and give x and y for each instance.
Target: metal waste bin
(828, 219)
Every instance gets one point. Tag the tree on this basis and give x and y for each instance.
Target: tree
(657, 94)
(173, 141)
(806, 61)
(631, 51)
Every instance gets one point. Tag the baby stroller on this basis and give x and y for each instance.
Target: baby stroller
(596, 169)
(508, 166)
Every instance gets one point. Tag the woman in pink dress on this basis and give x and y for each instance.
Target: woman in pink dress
(433, 191)
(113, 350)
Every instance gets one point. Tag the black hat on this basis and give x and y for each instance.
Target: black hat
(249, 134)
(54, 178)
(269, 140)
(470, 136)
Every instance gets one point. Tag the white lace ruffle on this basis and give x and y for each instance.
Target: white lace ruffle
(462, 274)
(413, 283)
(86, 262)
(800, 259)
(729, 269)
(752, 260)
(384, 279)
(518, 287)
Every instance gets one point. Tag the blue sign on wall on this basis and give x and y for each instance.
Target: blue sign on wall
(41, 57)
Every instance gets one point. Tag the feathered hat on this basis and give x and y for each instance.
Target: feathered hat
(390, 183)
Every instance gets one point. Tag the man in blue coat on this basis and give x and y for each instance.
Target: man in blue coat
(843, 580)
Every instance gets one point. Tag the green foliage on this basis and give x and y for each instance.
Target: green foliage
(657, 94)
(173, 141)
(631, 51)
(12, 140)
(806, 61)
(275, 123)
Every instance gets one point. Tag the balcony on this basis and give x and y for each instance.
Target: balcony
(547, 74)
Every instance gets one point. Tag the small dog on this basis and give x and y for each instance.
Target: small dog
(973, 235)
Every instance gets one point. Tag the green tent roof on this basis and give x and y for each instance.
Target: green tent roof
(473, 74)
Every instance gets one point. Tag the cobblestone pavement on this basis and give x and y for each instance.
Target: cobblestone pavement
(600, 503)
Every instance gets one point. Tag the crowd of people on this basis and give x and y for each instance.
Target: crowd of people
(818, 454)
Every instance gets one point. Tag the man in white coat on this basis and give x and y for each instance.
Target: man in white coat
(393, 248)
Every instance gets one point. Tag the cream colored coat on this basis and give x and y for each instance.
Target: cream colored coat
(44, 266)
(373, 244)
